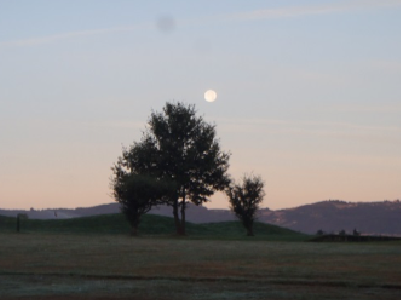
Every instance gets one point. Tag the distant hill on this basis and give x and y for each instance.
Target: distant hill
(333, 216)
(330, 216)
(194, 214)
(63, 213)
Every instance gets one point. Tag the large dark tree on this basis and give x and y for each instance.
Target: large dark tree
(245, 199)
(180, 146)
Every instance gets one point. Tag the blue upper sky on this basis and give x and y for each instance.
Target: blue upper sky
(308, 93)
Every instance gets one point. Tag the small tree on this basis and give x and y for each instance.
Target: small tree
(245, 200)
(138, 193)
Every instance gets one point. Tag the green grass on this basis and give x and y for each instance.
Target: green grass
(151, 225)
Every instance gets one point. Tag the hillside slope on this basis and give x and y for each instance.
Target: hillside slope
(150, 225)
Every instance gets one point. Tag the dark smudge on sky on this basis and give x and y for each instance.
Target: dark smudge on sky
(165, 24)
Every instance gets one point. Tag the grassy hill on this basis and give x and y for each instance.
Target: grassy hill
(150, 225)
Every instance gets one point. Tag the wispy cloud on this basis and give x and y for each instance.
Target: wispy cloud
(366, 108)
(295, 11)
(68, 35)
(303, 127)
(115, 124)
(285, 12)
(388, 65)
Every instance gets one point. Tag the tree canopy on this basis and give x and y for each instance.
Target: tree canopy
(180, 146)
(137, 194)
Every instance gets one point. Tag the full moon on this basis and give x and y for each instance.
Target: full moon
(210, 95)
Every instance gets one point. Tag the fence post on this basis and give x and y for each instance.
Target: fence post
(19, 217)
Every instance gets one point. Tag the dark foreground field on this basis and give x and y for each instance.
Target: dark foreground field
(94, 258)
(51, 266)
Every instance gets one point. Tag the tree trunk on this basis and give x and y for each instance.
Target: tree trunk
(183, 216)
(176, 217)
(250, 230)
(134, 231)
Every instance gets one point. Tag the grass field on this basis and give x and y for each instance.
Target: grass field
(51, 265)
(150, 225)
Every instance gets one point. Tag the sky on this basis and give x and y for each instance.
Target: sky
(308, 93)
